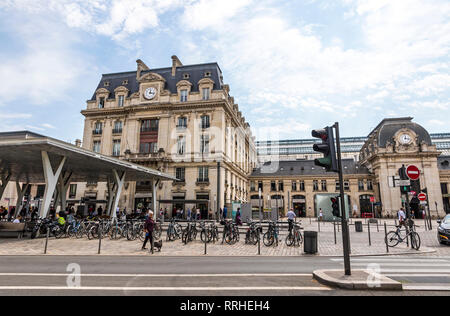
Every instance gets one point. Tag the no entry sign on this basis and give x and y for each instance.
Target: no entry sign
(422, 197)
(412, 172)
(372, 199)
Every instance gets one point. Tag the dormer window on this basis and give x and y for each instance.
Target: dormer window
(208, 74)
(186, 76)
(183, 95)
(106, 84)
(101, 103)
(205, 93)
(125, 82)
(121, 100)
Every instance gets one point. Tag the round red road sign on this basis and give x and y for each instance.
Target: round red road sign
(412, 172)
(372, 199)
(422, 197)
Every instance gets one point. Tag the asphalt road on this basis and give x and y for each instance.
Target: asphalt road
(205, 276)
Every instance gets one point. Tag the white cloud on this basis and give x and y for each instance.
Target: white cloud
(212, 14)
(15, 115)
(46, 125)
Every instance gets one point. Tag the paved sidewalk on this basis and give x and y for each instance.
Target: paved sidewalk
(327, 246)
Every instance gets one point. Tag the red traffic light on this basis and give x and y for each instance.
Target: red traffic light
(320, 133)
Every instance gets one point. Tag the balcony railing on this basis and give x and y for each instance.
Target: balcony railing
(117, 131)
(97, 132)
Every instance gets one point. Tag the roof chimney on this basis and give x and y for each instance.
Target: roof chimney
(140, 67)
(175, 63)
(78, 142)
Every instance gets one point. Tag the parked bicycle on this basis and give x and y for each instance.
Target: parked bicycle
(294, 238)
(271, 236)
(253, 233)
(393, 238)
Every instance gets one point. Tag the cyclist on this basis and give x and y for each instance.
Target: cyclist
(291, 217)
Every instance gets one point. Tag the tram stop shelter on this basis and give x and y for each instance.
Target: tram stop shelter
(27, 157)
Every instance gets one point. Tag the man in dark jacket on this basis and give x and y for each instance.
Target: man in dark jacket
(148, 229)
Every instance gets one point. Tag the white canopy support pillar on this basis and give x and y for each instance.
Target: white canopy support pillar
(119, 181)
(20, 194)
(154, 187)
(5, 181)
(51, 180)
(110, 185)
(63, 187)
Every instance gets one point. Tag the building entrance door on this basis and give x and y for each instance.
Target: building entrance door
(299, 205)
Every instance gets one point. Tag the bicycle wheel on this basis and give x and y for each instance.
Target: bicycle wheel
(392, 239)
(268, 239)
(289, 240)
(184, 237)
(415, 240)
(299, 238)
(204, 236)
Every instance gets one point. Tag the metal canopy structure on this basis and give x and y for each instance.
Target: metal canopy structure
(28, 157)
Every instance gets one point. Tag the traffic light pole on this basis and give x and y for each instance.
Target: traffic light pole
(344, 220)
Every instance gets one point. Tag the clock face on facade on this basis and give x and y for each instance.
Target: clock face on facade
(405, 139)
(150, 93)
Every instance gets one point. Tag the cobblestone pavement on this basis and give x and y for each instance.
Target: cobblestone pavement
(327, 246)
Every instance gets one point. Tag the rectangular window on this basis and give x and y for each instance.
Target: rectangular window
(205, 121)
(204, 144)
(183, 95)
(260, 186)
(315, 185)
(294, 185)
(280, 186)
(360, 185)
(302, 186)
(205, 93)
(149, 126)
(181, 145)
(346, 186)
(148, 148)
(203, 174)
(101, 103)
(180, 174)
(116, 148)
(121, 100)
(72, 191)
(273, 186)
(97, 128)
(369, 185)
(324, 185)
(117, 127)
(96, 146)
(252, 186)
(182, 122)
(338, 187)
(444, 188)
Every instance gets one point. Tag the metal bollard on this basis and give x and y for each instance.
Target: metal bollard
(259, 242)
(205, 243)
(318, 224)
(368, 229)
(334, 226)
(46, 240)
(385, 238)
(100, 236)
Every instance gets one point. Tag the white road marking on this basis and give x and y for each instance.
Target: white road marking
(376, 260)
(420, 287)
(230, 288)
(163, 275)
(397, 264)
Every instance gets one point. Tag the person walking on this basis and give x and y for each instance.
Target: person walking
(238, 217)
(225, 212)
(148, 229)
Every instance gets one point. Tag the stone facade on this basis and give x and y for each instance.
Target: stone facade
(180, 120)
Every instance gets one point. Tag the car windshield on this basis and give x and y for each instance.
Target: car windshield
(446, 219)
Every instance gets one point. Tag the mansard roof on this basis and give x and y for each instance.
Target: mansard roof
(195, 72)
(305, 168)
(387, 128)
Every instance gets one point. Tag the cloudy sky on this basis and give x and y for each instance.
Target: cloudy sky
(291, 65)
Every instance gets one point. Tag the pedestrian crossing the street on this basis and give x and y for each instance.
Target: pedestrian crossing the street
(415, 273)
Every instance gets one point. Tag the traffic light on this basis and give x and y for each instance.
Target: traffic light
(404, 189)
(335, 206)
(327, 148)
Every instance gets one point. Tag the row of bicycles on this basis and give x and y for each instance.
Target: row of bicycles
(92, 228)
(133, 229)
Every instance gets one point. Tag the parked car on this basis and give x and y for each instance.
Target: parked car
(444, 230)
